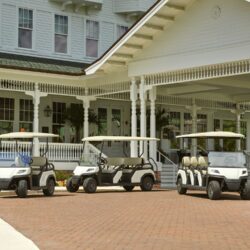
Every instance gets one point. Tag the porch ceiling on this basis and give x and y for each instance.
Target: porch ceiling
(158, 18)
(235, 88)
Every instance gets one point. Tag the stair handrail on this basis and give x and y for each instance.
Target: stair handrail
(166, 158)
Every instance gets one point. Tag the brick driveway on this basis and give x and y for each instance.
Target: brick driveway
(137, 220)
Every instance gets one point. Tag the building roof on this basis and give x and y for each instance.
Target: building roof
(159, 17)
(37, 64)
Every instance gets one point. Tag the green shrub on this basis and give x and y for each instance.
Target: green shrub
(62, 175)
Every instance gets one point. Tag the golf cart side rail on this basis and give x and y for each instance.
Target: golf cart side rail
(118, 138)
(213, 134)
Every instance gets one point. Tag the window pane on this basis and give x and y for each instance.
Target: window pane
(121, 30)
(25, 38)
(6, 127)
(91, 48)
(61, 25)
(61, 43)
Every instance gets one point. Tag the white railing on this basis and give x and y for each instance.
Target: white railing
(57, 151)
(65, 152)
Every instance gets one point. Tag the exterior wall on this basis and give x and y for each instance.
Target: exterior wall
(121, 6)
(209, 32)
(43, 31)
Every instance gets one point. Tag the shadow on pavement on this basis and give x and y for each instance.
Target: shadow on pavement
(13, 196)
(224, 196)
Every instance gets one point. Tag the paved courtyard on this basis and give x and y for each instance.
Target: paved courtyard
(137, 220)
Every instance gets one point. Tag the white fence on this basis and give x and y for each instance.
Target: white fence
(64, 152)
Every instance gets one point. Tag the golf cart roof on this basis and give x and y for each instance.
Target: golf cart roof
(118, 138)
(25, 135)
(213, 134)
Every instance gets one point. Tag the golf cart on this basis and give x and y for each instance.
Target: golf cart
(213, 171)
(96, 170)
(27, 172)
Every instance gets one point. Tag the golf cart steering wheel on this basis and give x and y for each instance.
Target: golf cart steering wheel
(103, 161)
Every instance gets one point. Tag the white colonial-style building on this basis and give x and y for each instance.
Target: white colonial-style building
(187, 57)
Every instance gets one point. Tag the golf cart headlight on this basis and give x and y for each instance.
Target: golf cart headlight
(90, 169)
(22, 171)
(215, 171)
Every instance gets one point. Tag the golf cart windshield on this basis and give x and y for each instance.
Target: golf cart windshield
(227, 159)
(93, 158)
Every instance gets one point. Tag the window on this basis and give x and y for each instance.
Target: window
(26, 115)
(102, 121)
(61, 33)
(59, 110)
(121, 30)
(25, 27)
(92, 38)
(6, 115)
(116, 122)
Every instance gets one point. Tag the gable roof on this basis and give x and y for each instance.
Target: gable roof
(142, 33)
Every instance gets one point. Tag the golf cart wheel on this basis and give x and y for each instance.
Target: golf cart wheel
(50, 188)
(245, 192)
(70, 187)
(128, 188)
(22, 189)
(180, 189)
(214, 190)
(89, 185)
(147, 183)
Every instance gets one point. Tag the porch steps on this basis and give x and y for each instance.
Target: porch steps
(168, 176)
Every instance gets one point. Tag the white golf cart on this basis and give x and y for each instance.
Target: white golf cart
(128, 172)
(27, 172)
(213, 171)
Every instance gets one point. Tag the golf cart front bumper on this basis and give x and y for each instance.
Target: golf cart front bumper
(5, 183)
(234, 185)
(76, 179)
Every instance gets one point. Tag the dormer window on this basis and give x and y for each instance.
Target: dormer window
(92, 38)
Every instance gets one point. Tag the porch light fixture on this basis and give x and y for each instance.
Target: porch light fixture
(47, 111)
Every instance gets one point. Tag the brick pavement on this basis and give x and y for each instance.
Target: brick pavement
(136, 220)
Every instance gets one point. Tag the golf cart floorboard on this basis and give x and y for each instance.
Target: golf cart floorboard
(119, 184)
(194, 187)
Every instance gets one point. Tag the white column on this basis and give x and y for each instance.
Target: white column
(86, 104)
(238, 113)
(152, 144)
(143, 126)
(36, 95)
(133, 98)
(238, 127)
(210, 127)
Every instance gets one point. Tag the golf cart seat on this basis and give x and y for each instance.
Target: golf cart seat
(132, 163)
(186, 162)
(203, 163)
(194, 162)
(37, 163)
(112, 165)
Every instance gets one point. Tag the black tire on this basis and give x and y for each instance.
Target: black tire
(128, 188)
(70, 187)
(245, 192)
(214, 190)
(89, 185)
(180, 189)
(22, 189)
(50, 188)
(147, 183)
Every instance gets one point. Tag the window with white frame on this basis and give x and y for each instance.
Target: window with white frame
(25, 28)
(121, 30)
(61, 34)
(92, 38)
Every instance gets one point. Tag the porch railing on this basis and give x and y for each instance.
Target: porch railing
(65, 152)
